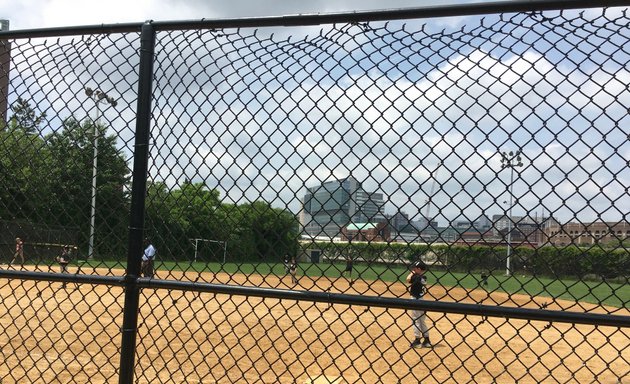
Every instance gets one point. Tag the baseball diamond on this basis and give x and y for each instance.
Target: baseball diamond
(431, 194)
(348, 344)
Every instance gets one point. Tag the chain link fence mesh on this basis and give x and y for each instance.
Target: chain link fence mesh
(312, 166)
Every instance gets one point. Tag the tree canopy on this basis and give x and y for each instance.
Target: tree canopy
(46, 178)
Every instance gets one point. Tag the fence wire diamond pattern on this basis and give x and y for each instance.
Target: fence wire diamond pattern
(294, 177)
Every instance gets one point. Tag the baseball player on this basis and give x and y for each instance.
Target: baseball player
(19, 251)
(287, 264)
(293, 270)
(64, 260)
(417, 288)
(147, 258)
(348, 269)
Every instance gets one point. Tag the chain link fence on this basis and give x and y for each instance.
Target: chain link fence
(236, 201)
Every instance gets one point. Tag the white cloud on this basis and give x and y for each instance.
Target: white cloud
(250, 120)
(28, 14)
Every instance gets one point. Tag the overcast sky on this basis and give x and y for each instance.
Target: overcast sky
(28, 14)
(264, 117)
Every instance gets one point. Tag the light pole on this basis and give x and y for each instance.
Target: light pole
(99, 97)
(510, 160)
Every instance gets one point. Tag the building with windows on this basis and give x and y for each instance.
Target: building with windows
(481, 224)
(502, 222)
(398, 221)
(524, 230)
(333, 205)
(584, 234)
(366, 232)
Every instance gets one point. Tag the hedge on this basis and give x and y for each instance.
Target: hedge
(550, 261)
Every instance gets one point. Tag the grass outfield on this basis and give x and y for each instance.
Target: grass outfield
(595, 292)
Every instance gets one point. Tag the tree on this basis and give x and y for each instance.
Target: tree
(196, 208)
(253, 231)
(69, 184)
(175, 216)
(24, 117)
(263, 232)
(22, 153)
(166, 233)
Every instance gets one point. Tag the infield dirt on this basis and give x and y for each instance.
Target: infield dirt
(54, 335)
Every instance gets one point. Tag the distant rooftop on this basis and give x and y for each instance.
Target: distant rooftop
(360, 226)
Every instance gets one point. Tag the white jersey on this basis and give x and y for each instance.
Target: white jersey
(149, 253)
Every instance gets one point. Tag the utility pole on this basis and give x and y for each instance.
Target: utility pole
(510, 160)
(99, 97)
(5, 68)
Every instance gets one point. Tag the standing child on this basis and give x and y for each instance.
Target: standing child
(417, 288)
(64, 260)
(484, 278)
(293, 270)
(348, 269)
(19, 251)
(287, 264)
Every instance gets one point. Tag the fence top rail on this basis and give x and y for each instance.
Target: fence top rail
(467, 9)
(390, 302)
(332, 298)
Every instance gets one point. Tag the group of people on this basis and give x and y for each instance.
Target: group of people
(416, 279)
(65, 257)
(146, 268)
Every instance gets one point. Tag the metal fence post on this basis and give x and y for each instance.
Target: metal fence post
(138, 195)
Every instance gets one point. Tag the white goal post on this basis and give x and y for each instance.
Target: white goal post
(196, 242)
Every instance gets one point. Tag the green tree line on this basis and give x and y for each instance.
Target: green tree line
(550, 261)
(47, 179)
(252, 232)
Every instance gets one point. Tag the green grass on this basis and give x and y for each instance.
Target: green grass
(595, 292)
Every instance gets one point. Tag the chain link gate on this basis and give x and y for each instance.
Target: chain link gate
(292, 178)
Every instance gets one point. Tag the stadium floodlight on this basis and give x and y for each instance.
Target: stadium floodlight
(510, 160)
(98, 96)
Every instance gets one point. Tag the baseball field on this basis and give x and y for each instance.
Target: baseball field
(54, 335)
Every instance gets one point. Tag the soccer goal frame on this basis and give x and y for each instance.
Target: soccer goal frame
(196, 244)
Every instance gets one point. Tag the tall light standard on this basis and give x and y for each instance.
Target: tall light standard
(99, 97)
(510, 160)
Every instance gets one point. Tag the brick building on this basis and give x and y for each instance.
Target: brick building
(366, 232)
(586, 233)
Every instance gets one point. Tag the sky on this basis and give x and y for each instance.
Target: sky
(29, 14)
(417, 112)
